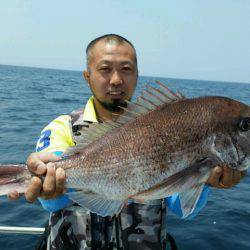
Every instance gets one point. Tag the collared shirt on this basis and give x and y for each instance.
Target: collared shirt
(57, 137)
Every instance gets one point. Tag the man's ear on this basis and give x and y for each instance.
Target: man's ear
(86, 76)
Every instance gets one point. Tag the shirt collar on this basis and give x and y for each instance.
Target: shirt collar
(89, 113)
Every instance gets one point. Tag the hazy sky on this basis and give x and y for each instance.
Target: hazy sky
(182, 39)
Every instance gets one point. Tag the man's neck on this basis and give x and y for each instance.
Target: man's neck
(104, 114)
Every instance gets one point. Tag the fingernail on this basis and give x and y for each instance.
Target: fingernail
(51, 166)
(218, 170)
(34, 180)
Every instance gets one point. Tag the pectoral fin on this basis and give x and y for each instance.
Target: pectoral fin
(189, 199)
(188, 183)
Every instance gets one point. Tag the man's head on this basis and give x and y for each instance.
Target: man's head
(111, 70)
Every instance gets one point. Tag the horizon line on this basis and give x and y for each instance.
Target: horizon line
(74, 70)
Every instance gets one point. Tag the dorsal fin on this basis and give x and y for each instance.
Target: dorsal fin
(90, 134)
(150, 99)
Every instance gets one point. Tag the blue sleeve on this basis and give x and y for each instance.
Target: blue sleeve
(61, 202)
(54, 205)
(173, 203)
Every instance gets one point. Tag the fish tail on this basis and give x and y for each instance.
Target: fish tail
(13, 177)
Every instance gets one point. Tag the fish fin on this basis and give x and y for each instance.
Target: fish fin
(180, 182)
(91, 133)
(14, 177)
(150, 99)
(96, 203)
(189, 199)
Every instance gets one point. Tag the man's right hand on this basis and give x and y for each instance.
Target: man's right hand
(42, 164)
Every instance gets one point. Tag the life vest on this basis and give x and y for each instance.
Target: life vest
(138, 226)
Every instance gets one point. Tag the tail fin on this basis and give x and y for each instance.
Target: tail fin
(13, 177)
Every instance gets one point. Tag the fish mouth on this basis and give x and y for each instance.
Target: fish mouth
(243, 162)
(6, 181)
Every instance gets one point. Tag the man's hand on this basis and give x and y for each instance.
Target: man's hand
(53, 184)
(225, 177)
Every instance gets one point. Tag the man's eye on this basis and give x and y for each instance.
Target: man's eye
(104, 69)
(126, 69)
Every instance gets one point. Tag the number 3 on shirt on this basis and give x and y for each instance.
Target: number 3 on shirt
(44, 140)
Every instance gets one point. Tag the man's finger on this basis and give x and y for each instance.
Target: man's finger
(49, 184)
(13, 195)
(48, 157)
(227, 178)
(60, 181)
(34, 189)
(236, 177)
(215, 176)
(35, 164)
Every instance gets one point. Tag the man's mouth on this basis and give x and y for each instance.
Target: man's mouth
(116, 94)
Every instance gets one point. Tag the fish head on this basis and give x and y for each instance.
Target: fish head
(231, 140)
(241, 139)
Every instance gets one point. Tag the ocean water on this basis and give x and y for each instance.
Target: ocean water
(31, 97)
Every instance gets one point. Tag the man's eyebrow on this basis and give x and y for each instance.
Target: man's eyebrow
(104, 62)
(109, 62)
(126, 62)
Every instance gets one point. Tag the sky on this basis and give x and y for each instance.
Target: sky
(208, 40)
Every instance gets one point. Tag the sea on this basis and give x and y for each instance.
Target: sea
(31, 97)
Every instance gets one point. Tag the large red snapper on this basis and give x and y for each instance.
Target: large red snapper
(163, 144)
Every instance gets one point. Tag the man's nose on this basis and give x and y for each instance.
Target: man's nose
(116, 78)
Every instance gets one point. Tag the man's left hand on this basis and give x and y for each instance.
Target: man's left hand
(225, 177)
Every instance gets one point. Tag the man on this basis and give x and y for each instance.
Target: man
(112, 75)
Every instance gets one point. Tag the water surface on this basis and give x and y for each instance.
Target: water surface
(31, 97)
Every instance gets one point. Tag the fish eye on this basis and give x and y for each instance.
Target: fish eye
(244, 124)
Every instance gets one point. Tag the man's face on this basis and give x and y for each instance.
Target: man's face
(112, 73)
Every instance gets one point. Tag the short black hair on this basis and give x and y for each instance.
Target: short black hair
(108, 38)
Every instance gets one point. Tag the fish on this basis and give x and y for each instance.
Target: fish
(163, 144)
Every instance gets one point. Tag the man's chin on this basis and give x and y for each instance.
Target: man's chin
(114, 105)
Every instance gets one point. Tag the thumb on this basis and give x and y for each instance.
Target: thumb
(215, 176)
(36, 162)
